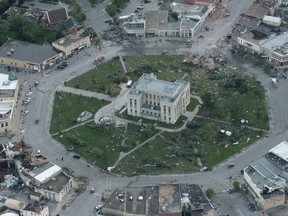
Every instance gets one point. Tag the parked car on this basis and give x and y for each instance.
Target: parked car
(231, 164)
(76, 156)
(25, 112)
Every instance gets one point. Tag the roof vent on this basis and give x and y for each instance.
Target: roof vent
(54, 179)
(50, 187)
(8, 53)
(12, 50)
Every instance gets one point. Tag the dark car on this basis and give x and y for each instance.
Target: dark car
(36, 121)
(108, 21)
(60, 67)
(76, 156)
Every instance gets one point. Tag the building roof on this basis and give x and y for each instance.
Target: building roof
(187, 9)
(70, 23)
(188, 23)
(6, 84)
(69, 39)
(257, 10)
(272, 19)
(261, 181)
(9, 214)
(58, 15)
(149, 83)
(281, 150)
(47, 174)
(167, 199)
(33, 208)
(25, 51)
(163, 20)
(14, 204)
(56, 183)
(152, 19)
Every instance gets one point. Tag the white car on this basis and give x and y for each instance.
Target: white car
(25, 112)
(29, 93)
(99, 206)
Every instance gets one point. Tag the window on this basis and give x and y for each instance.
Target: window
(6, 124)
(131, 110)
(154, 97)
(150, 96)
(2, 125)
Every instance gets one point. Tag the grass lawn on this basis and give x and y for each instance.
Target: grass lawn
(181, 120)
(100, 78)
(100, 144)
(165, 67)
(178, 152)
(192, 105)
(230, 95)
(227, 95)
(67, 108)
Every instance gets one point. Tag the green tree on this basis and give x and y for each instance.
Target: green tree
(210, 193)
(148, 129)
(236, 186)
(4, 26)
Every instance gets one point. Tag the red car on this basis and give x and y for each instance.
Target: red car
(99, 59)
(230, 165)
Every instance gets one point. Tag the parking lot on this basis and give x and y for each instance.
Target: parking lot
(226, 204)
(132, 6)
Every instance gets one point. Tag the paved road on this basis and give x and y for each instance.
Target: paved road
(39, 138)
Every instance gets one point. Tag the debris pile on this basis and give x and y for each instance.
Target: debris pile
(207, 63)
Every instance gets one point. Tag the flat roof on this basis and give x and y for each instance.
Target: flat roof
(152, 20)
(47, 173)
(188, 22)
(70, 39)
(14, 204)
(163, 20)
(281, 150)
(25, 51)
(274, 41)
(6, 84)
(149, 83)
(188, 8)
(272, 19)
(56, 184)
(260, 180)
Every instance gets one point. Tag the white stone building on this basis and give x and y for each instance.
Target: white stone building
(157, 99)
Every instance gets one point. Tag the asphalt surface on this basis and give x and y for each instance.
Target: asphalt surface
(40, 108)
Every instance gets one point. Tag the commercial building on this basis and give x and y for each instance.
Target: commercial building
(267, 178)
(157, 99)
(72, 43)
(158, 23)
(134, 27)
(27, 56)
(9, 87)
(6, 115)
(162, 200)
(34, 210)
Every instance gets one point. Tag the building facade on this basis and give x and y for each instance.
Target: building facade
(72, 43)
(27, 56)
(158, 100)
(135, 27)
(34, 210)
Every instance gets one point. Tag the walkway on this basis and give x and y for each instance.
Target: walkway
(123, 154)
(84, 93)
(123, 63)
